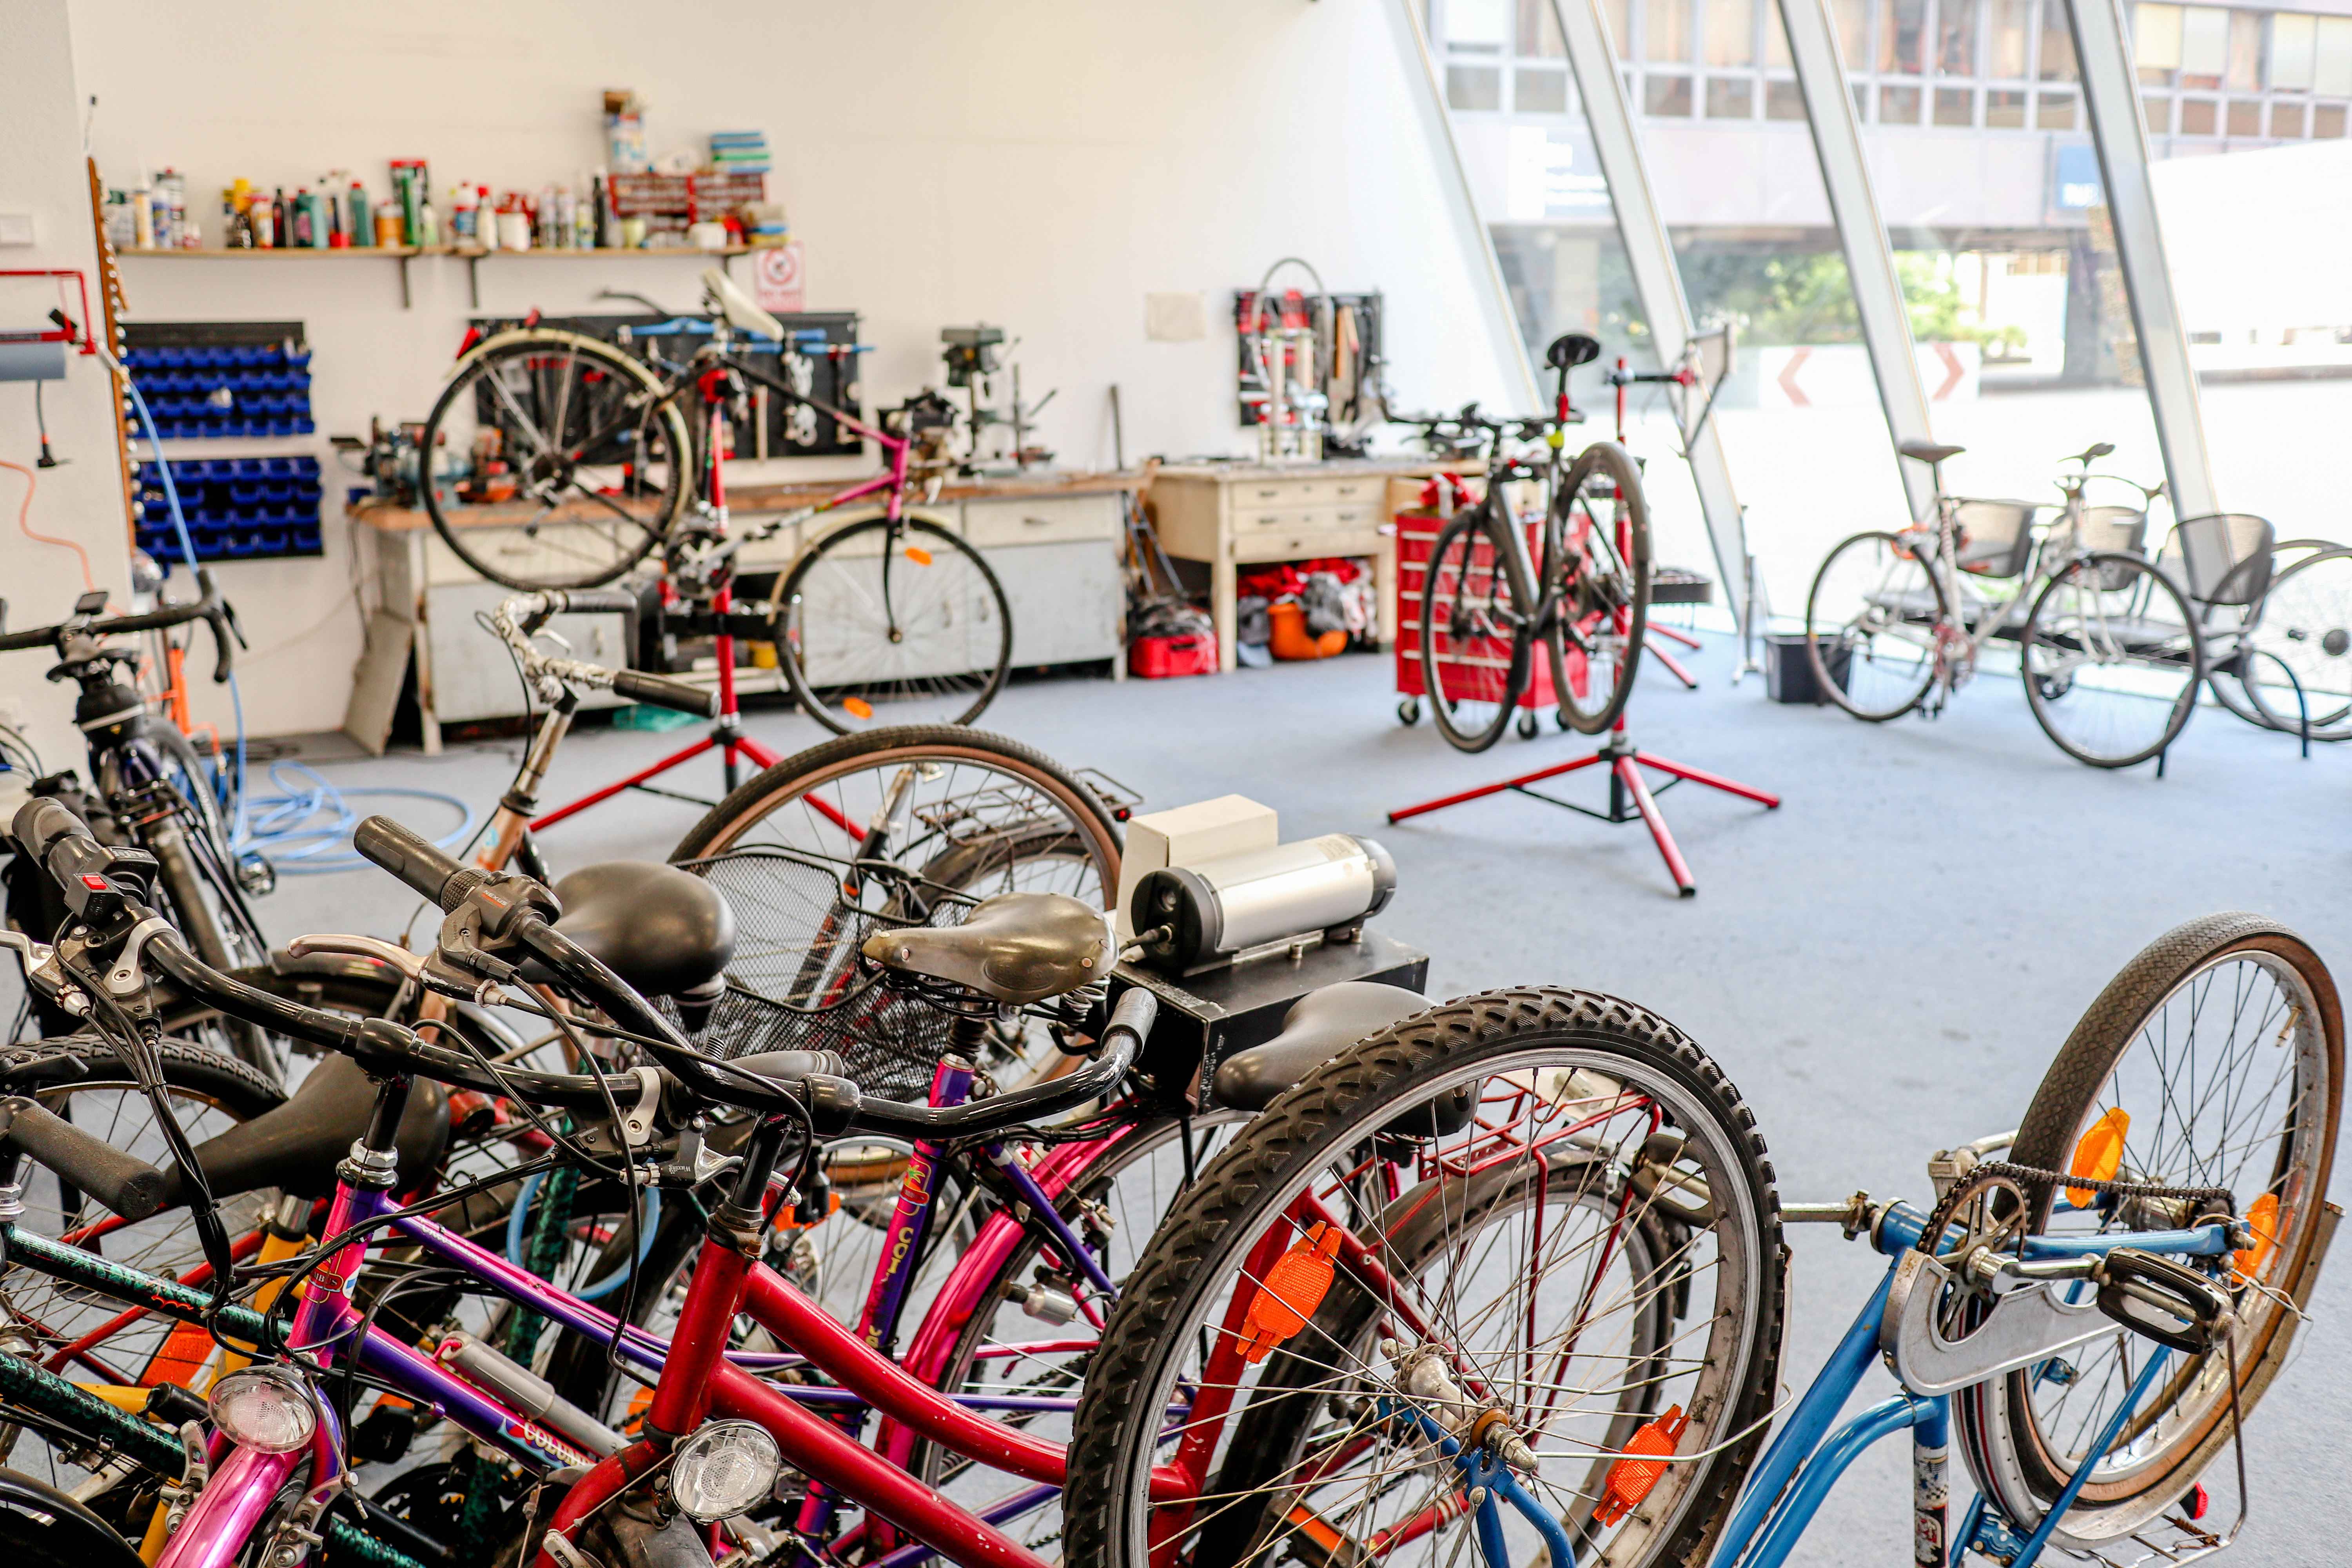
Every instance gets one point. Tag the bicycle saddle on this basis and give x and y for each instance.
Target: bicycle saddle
(1015, 948)
(1319, 1026)
(1929, 452)
(297, 1146)
(2092, 453)
(664, 931)
(1571, 349)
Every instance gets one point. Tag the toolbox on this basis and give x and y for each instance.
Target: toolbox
(1416, 538)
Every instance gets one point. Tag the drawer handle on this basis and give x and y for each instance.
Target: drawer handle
(1268, 495)
(1038, 522)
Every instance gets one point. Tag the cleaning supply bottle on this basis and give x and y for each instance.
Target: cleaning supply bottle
(464, 216)
(362, 219)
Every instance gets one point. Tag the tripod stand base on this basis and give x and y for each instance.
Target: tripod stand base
(1629, 796)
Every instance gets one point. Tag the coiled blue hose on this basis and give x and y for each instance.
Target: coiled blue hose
(518, 1220)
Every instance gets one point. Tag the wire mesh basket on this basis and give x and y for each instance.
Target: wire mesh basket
(796, 982)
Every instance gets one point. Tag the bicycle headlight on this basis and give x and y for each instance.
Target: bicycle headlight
(725, 1468)
(265, 1408)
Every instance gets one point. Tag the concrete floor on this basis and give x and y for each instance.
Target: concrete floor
(1884, 965)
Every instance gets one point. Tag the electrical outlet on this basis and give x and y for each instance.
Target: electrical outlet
(15, 228)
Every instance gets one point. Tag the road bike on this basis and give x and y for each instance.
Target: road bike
(1488, 609)
(1556, 1335)
(617, 449)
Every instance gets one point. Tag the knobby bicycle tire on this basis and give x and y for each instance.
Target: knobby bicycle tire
(1502, 688)
(1629, 599)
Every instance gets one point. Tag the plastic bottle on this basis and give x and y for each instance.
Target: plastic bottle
(362, 219)
(428, 226)
(264, 218)
(465, 224)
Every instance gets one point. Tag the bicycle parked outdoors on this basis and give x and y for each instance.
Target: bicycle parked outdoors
(1489, 609)
(616, 451)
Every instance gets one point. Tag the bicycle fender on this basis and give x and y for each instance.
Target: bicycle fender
(85, 1530)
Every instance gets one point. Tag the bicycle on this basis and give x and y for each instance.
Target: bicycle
(1560, 1337)
(2109, 650)
(1487, 605)
(875, 610)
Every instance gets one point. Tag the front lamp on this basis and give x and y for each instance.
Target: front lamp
(725, 1468)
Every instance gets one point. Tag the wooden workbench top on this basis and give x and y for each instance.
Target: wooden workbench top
(754, 499)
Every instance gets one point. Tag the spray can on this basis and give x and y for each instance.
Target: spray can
(362, 222)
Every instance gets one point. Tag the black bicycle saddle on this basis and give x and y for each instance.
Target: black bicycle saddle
(297, 1146)
(1319, 1026)
(1929, 452)
(1015, 948)
(1571, 349)
(664, 931)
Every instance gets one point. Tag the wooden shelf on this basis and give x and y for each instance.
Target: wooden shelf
(472, 255)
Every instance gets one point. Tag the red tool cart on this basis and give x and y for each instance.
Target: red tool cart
(1416, 537)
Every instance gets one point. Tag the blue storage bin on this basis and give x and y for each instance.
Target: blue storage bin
(306, 538)
(308, 467)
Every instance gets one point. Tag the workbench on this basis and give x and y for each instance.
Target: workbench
(1056, 541)
(1231, 515)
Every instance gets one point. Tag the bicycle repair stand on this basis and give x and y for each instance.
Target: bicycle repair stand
(1630, 795)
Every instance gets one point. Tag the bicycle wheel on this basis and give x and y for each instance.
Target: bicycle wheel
(2306, 626)
(1586, 1225)
(2218, 1053)
(83, 1081)
(1601, 583)
(905, 614)
(596, 446)
(1873, 619)
(1476, 610)
(960, 810)
(2112, 659)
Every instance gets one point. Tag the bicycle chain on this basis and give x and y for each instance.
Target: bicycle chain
(1940, 1218)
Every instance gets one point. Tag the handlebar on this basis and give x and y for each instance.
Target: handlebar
(126, 1185)
(521, 611)
(210, 608)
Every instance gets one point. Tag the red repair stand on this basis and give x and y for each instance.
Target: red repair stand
(1630, 795)
(727, 734)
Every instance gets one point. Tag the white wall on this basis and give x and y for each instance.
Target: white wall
(1038, 164)
(41, 173)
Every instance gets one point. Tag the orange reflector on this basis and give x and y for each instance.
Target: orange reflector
(639, 1403)
(184, 1355)
(2263, 1219)
(858, 706)
(784, 1220)
(920, 557)
(1294, 1286)
(1316, 1529)
(1631, 1478)
(2100, 1155)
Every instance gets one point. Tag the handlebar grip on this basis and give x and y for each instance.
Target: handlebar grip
(218, 615)
(675, 695)
(598, 601)
(416, 861)
(1134, 1014)
(131, 1188)
(40, 825)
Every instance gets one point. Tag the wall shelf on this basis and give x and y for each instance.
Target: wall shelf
(472, 255)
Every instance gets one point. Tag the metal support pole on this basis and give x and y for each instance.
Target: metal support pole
(2111, 91)
(1869, 258)
(1650, 255)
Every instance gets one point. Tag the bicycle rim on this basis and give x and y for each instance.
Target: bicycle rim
(1873, 618)
(2220, 1048)
(2305, 626)
(1603, 586)
(600, 460)
(883, 623)
(1474, 643)
(2112, 660)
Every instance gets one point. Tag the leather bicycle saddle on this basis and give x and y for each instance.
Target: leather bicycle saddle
(1015, 948)
(664, 931)
(1319, 1026)
(1929, 452)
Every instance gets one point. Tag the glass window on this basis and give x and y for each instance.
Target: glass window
(1783, 102)
(1861, 100)
(1539, 31)
(1900, 25)
(2197, 117)
(1956, 106)
(2159, 110)
(2327, 119)
(1854, 33)
(2245, 51)
(2057, 43)
(2053, 110)
(2286, 119)
(1666, 30)
(2155, 36)
(2204, 45)
(1619, 14)
(2245, 116)
(1898, 106)
(1478, 26)
(1730, 98)
(2331, 56)
(2007, 30)
(1776, 37)
(1956, 38)
(1474, 88)
(1730, 32)
(2005, 108)
(1539, 91)
(1668, 95)
(2292, 37)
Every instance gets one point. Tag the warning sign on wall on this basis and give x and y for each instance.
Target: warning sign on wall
(779, 280)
